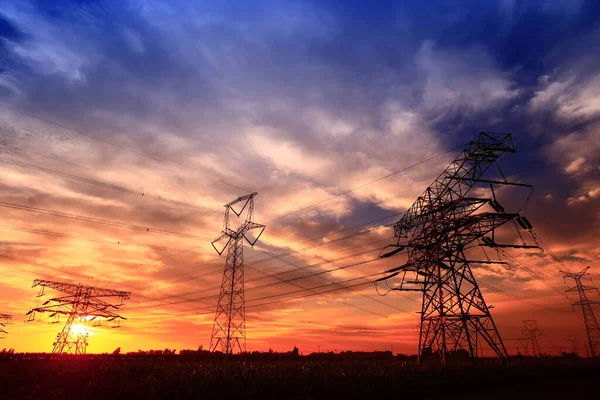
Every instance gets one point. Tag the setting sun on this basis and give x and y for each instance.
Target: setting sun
(299, 199)
(78, 329)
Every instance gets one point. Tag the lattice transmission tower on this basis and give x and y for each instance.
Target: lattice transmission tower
(4, 320)
(523, 346)
(591, 323)
(573, 343)
(229, 329)
(435, 232)
(531, 333)
(80, 306)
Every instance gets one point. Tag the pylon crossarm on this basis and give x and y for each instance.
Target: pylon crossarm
(575, 275)
(463, 207)
(583, 302)
(467, 229)
(494, 182)
(219, 239)
(241, 198)
(580, 288)
(252, 226)
(4, 320)
(80, 289)
(66, 309)
(471, 163)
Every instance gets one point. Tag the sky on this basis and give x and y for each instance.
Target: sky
(309, 104)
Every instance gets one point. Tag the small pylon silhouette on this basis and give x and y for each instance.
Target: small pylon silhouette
(573, 343)
(4, 318)
(532, 333)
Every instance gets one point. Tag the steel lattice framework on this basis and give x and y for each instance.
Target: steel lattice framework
(435, 232)
(81, 305)
(229, 329)
(591, 323)
(531, 333)
(4, 320)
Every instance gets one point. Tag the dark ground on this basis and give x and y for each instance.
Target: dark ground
(178, 378)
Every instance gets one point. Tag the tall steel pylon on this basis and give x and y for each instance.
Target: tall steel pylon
(229, 329)
(435, 232)
(591, 323)
(4, 320)
(531, 334)
(81, 305)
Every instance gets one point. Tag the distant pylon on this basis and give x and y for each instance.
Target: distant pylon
(81, 305)
(573, 342)
(4, 318)
(591, 323)
(523, 344)
(229, 329)
(531, 333)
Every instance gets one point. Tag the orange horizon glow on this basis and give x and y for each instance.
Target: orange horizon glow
(125, 130)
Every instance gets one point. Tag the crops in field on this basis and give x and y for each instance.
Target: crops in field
(180, 378)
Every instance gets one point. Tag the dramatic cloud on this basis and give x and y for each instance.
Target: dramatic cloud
(155, 114)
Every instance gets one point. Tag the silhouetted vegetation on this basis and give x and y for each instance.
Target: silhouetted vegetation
(188, 374)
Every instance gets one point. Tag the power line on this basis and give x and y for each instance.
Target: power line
(193, 276)
(360, 233)
(275, 257)
(531, 272)
(278, 275)
(539, 241)
(356, 188)
(92, 239)
(139, 153)
(268, 284)
(294, 298)
(343, 230)
(490, 287)
(96, 220)
(44, 266)
(363, 185)
(107, 185)
(163, 258)
(515, 297)
(292, 281)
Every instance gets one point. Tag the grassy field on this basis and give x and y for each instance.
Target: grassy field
(180, 378)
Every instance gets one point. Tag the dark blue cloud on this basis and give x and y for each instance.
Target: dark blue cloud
(195, 70)
(10, 31)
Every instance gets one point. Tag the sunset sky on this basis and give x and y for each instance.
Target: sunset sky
(309, 104)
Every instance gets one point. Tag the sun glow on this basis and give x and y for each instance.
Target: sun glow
(78, 329)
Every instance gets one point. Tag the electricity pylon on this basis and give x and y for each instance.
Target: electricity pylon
(229, 329)
(81, 305)
(4, 318)
(591, 323)
(531, 333)
(435, 231)
(573, 342)
(523, 344)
